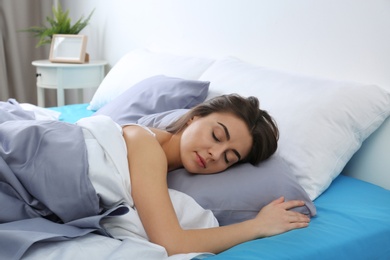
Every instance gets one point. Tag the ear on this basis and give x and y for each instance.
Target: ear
(192, 119)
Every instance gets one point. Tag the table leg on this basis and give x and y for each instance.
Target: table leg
(80, 95)
(60, 97)
(41, 97)
(60, 88)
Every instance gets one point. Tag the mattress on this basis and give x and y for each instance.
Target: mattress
(352, 222)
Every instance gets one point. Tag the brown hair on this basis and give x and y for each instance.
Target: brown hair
(261, 125)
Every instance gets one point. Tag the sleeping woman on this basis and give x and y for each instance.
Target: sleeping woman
(208, 139)
(57, 173)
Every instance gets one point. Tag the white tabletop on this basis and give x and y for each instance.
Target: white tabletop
(47, 63)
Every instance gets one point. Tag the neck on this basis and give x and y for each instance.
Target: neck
(170, 144)
(172, 152)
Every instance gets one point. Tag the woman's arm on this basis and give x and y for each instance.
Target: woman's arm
(148, 167)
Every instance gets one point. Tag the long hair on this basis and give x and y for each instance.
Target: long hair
(261, 125)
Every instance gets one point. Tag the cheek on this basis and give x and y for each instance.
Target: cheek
(191, 139)
(186, 152)
(186, 145)
(217, 167)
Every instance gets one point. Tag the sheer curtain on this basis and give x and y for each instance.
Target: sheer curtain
(17, 49)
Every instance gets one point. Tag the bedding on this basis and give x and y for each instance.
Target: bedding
(239, 193)
(141, 64)
(321, 127)
(55, 186)
(352, 216)
(322, 122)
(35, 191)
(155, 94)
(72, 113)
(352, 222)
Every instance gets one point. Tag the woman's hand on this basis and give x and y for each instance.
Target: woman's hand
(276, 217)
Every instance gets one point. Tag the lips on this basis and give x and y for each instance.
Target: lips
(200, 161)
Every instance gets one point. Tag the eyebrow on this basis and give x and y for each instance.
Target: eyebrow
(228, 138)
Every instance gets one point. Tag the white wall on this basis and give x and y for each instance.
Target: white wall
(341, 39)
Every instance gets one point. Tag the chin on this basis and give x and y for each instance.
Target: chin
(192, 170)
(201, 172)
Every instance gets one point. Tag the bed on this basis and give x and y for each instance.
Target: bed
(334, 144)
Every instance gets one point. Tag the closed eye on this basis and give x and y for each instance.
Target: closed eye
(215, 138)
(226, 159)
(225, 154)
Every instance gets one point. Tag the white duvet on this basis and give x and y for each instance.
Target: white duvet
(109, 174)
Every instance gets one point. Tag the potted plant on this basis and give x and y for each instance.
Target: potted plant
(60, 23)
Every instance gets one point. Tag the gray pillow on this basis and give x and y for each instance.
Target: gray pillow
(238, 193)
(156, 94)
(162, 120)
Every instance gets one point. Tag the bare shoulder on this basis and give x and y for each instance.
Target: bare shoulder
(139, 139)
(145, 155)
(135, 132)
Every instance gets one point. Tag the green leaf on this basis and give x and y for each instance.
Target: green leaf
(60, 23)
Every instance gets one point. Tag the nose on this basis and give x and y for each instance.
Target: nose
(216, 151)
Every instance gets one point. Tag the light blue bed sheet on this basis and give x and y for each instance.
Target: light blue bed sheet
(72, 113)
(352, 222)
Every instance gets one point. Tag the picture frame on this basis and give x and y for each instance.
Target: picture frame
(68, 48)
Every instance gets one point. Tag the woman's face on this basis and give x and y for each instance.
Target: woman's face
(213, 143)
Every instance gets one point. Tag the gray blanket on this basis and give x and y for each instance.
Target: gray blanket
(45, 191)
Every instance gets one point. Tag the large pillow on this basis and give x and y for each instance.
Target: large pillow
(322, 122)
(141, 64)
(155, 94)
(238, 193)
(163, 119)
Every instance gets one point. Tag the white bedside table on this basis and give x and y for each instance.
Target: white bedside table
(61, 76)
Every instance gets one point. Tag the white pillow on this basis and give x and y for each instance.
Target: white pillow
(140, 64)
(322, 122)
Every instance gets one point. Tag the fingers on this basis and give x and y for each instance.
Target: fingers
(296, 225)
(277, 218)
(296, 220)
(293, 203)
(297, 217)
(278, 201)
(288, 204)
